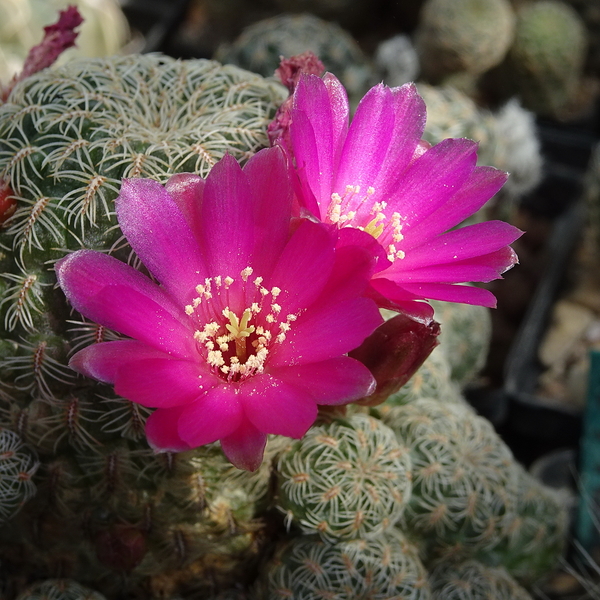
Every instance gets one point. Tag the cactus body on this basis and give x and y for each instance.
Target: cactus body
(260, 47)
(547, 56)
(345, 479)
(383, 568)
(470, 580)
(463, 36)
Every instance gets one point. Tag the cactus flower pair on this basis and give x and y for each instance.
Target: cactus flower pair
(254, 312)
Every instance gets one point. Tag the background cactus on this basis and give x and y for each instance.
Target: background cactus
(547, 57)
(468, 36)
(507, 140)
(261, 45)
(104, 32)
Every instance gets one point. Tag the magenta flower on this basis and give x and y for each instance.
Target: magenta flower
(248, 328)
(378, 176)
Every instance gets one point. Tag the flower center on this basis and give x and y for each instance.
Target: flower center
(236, 343)
(349, 210)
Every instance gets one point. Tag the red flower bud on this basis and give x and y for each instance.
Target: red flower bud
(394, 352)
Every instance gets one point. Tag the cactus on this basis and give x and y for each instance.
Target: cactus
(532, 540)
(470, 580)
(18, 464)
(307, 568)
(465, 338)
(468, 36)
(547, 57)
(105, 501)
(260, 47)
(464, 486)
(59, 589)
(345, 479)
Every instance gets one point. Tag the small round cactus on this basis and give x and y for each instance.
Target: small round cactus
(59, 589)
(463, 36)
(307, 568)
(471, 580)
(464, 483)
(547, 57)
(18, 464)
(345, 479)
(532, 539)
(261, 45)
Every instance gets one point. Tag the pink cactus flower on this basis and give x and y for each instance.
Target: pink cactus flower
(378, 176)
(250, 323)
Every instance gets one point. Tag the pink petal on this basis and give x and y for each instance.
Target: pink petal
(267, 175)
(453, 293)
(227, 219)
(245, 447)
(460, 244)
(368, 140)
(187, 191)
(117, 296)
(432, 180)
(161, 236)
(315, 122)
(274, 406)
(216, 415)
(392, 296)
(127, 311)
(304, 266)
(327, 331)
(162, 432)
(481, 185)
(336, 381)
(481, 268)
(101, 361)
(163, 382)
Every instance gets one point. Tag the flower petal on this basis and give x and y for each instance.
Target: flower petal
(187, 191)
(431, 181)
(314, 124)
(460, 244)
(304, 266)
(214, 416)
(162, 432)
(245, 446)
(327, 331)
(161, 236)
(336, 381)
(274, 406)
(101, 361)
(267, 175)
(117, 296)
(163, 382)
(481, 185)
(465, 294)
(227, 216)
